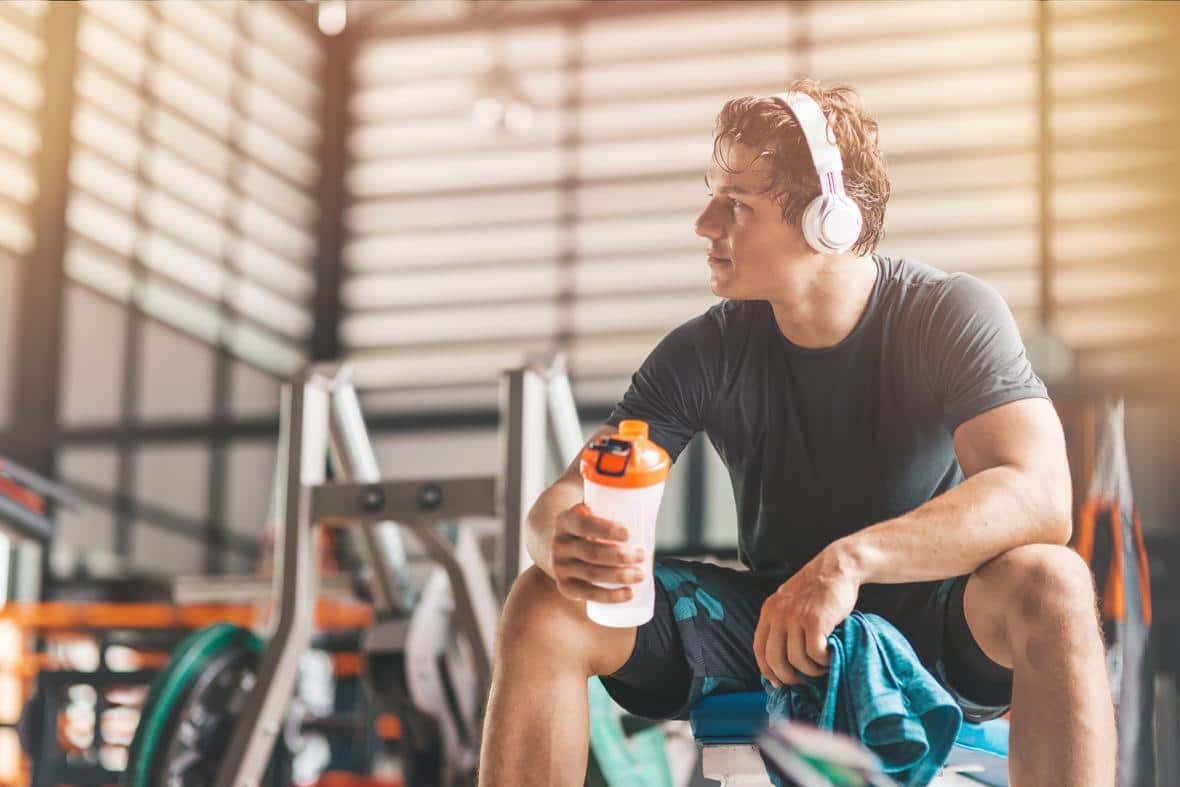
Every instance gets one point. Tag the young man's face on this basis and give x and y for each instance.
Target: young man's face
(750, 246)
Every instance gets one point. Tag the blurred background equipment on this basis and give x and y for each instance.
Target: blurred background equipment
(198, 199)
(1109, 536)
(25, 500)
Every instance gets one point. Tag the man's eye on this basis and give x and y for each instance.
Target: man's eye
(737, 204)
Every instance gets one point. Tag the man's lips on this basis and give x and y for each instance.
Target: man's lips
(715, 260)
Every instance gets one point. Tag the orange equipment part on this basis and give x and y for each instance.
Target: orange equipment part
(331, 614)
(389, 727)
(1083, 542)
(347, 665)
(1144, 569)
(344, 779)
(1114, 596)
(26, 497)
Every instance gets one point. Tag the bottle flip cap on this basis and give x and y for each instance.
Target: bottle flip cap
(626, 459)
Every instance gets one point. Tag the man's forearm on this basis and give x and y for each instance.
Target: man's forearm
(542, 517)
(990, 513)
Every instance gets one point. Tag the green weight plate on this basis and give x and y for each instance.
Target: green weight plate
(170, 689)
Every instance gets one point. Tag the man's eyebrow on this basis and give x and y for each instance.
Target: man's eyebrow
(730, 189)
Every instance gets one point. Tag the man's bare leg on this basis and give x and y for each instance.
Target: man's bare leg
(1032, 609)
(536, 731)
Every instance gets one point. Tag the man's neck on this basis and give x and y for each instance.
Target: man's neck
(819, 305)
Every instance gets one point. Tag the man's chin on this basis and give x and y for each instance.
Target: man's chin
(722, 288)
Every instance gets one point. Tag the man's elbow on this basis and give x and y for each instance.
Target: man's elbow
(1057, 517)
(1059, 529)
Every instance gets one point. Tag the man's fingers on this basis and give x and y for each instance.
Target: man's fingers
(776, 658)
(816, 643)
(797, 654)
(584, 591)
(602, 553)
(591, 572)
(760, 649)
(579, 521)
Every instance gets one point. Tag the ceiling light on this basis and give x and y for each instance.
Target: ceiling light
(332, 17)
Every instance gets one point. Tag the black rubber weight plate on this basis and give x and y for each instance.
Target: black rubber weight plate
(202, 668)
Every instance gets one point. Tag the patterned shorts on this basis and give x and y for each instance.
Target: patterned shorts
(700, 640)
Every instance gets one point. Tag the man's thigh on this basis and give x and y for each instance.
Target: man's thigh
(932, 618)
(698, 642)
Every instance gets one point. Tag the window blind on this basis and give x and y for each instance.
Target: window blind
(194, 169)
(22, 50)
(1114, 167)
(470, 247)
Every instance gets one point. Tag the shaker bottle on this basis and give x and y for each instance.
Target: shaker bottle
(623, 480)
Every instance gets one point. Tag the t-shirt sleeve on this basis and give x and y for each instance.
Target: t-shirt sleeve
(673, 387)
(973, 354)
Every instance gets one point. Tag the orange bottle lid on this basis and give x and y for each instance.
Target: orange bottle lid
(626, 459)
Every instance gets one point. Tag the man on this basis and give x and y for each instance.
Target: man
(890, 450)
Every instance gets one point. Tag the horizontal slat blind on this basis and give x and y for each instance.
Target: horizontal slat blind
(954, 88)
(194, 167)
(1115, 202)
(22, 50)
(469, 248)
(455, 230)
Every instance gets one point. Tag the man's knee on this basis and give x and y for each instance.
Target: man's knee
(540, 623)
(534, 614)
(1040, 590)
(1043, 582)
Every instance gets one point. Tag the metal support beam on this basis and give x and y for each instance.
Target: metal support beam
(305, 424)
(522, 424)
(380, 547)
(416, 504)
(37, 370)
(1045, 162)
(333, 155)
(268, 428)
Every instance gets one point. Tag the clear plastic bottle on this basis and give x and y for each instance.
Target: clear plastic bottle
(623, 480)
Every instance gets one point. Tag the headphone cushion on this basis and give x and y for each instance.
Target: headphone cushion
(840, 223)
(812, 225)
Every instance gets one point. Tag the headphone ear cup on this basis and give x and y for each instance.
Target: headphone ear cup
(811, 224)
(840, 224)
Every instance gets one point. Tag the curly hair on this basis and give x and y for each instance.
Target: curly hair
(765, 124)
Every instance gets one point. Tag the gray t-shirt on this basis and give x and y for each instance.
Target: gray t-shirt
(822, 443)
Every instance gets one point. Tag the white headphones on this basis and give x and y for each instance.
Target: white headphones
(831, 222)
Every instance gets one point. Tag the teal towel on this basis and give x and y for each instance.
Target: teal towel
(883, 697)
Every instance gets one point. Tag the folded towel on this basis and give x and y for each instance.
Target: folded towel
(882, 696)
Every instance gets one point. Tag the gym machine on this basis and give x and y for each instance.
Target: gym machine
(215, 714)
(25, 503)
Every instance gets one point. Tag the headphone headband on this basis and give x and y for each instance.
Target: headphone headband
(831, 222)
(825, 154)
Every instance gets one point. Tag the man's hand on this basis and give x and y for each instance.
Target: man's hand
(588, 550)
(793, 629)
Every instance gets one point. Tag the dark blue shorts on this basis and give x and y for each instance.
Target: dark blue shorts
(700, 640)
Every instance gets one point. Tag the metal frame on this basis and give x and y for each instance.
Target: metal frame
(37, 437)
(1044, 158)
(336, 123)
(321, 412)
(37, 365)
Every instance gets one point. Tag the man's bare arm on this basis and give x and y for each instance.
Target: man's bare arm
(541, 521)
(1017, 491)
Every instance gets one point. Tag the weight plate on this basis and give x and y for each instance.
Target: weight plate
(198, 660)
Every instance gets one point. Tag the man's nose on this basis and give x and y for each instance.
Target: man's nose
(708, 224)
